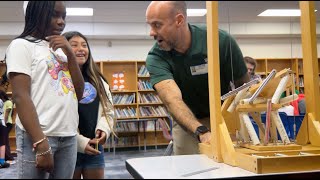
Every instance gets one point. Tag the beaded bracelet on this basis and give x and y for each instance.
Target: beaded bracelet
(44, 153)
(34, 145)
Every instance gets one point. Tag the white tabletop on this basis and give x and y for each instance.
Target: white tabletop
(189, 166)
(183, 166)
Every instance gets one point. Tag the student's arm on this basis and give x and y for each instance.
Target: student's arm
(104, 129)
(171, 96)
(57, 41)
(9, 107)
(84, 145)
(6, 115)
(105, 123)
(21, 86)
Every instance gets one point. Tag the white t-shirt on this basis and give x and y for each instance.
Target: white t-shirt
(289, 110)
(52, 90)
(2, 114)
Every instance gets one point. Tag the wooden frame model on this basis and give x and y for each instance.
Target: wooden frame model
(267, 157)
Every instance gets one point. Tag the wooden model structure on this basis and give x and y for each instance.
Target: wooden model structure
(248, 151)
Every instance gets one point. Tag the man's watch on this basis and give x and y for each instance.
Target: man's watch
(200, 130)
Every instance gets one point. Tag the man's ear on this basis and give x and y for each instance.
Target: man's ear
(180, 19)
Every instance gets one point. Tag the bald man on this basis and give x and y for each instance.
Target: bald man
(178, 67)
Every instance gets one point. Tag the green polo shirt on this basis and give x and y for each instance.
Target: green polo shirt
(190, 70)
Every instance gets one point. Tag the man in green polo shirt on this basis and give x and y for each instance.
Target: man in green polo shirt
(179, 71)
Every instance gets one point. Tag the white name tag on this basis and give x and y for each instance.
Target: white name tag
(199, 69)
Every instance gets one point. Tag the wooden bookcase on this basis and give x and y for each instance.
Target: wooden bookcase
(131, 78)
(265, 65)
(133, 86)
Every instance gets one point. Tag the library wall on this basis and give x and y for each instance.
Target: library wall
(137, 49)
(131, 41)
(271, 47)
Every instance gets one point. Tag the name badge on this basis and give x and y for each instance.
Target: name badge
(199, 69)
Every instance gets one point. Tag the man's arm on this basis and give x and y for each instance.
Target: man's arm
(244, 79)
(171, 96)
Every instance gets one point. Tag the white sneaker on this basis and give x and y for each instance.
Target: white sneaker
(11, 162)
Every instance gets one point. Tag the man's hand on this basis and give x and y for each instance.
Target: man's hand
(205, 138)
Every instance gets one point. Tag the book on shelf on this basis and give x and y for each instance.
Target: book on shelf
(149, 98)
(149, 126)
(128, 112)
(124, 98)
(301, 82)
(122, 126)
(126, 126)
(126, 141)
(144, 85)
(153, 111)
(143, 71)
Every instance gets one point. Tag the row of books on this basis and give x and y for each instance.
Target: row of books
(130, 98)
(144, 85)
(123, 98)
(127, 112)
(149, 98)
(153, 111)
(143, 71)
(145, 111)
(124, 141)
(301, 82)
(133, 126)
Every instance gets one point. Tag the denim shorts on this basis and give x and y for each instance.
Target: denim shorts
(64, 154)
(85, 161)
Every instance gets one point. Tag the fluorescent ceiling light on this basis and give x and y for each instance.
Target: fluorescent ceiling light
(196, 12)
(70, 11)
(25, 4)
(79, 12)
(281, 12)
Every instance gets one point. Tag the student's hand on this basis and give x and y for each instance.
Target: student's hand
(205, 138)
(44, 162)
(57, 41)
(90, 148)
(101, 136)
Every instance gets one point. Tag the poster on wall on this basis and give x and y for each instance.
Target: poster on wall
(118, 82)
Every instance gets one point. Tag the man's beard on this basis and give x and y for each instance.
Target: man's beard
(167, 46)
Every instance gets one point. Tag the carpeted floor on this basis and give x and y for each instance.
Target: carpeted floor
(115, 163)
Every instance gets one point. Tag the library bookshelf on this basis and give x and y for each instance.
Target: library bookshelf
(144, 103)
(144, 110)
(265, 66)
(138, 109)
